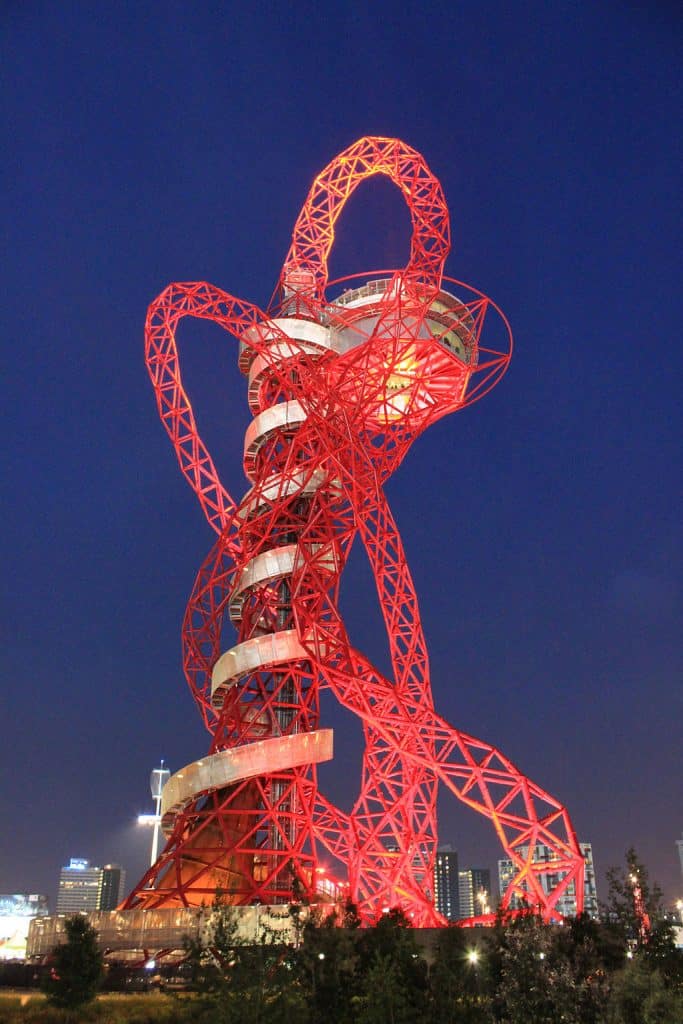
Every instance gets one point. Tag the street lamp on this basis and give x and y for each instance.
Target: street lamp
(157, 781)
(474, 982)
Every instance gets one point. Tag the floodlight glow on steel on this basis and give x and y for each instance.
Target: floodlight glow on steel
(342, 377)
(639, 908)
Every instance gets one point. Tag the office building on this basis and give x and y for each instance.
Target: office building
(79, 887)
(446, 898)
(111, 887)
(84, 888)
(566, 905)
(475, 892)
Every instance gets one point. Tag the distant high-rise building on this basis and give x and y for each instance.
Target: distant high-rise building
(79, 887)
(83, 888)
(590, 888)
(549, 880)
(679, 844)
(481, 887)
(465, 894)
(475, 892)
(446, 898)
(111, 887)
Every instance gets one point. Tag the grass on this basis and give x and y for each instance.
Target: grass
(155, 1008)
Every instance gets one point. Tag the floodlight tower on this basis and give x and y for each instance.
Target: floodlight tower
(342, 377)
(157, 780)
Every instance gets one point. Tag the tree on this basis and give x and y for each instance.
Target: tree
(385, 997)
(641, 995)
(590, 955)
(536, 978)
(328, 958)
(392, 976)
(633, 903)
(460, 978)
(77, 966)
(240, 981)
(634, 913)
(211, 950)
(663, 1006)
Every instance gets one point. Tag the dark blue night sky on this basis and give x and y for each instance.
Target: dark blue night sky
(146, 143)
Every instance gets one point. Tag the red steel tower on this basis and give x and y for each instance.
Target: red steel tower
(339, 388)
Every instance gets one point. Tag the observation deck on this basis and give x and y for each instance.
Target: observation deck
(448, 318)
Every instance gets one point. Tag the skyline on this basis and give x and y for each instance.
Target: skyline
(502, 866)
(541, 525)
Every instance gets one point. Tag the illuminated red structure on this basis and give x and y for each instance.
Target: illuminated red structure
(339, 389)
(639, 910)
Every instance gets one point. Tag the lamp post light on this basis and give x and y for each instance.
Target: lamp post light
(157, 780)
(474, 980)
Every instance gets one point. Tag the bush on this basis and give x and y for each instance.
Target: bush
(76, 968)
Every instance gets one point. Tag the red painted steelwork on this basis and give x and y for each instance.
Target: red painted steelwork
(339, 389)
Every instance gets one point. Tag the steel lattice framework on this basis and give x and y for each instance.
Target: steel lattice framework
(339, 389)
